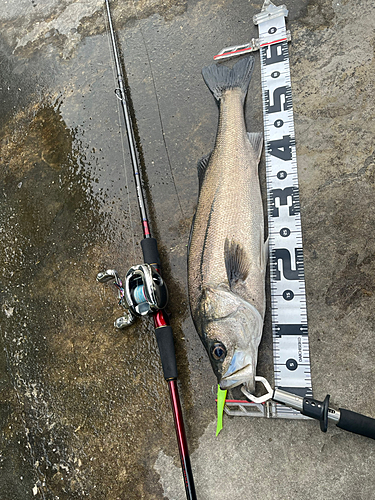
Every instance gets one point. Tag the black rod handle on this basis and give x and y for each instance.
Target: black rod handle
(151, 252)
(164, 337)
(357, 423)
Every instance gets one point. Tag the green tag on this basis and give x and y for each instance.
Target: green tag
(221, 395)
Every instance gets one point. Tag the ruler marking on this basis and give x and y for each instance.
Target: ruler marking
(287, 272)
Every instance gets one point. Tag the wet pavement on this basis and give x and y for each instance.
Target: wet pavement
(84, 409)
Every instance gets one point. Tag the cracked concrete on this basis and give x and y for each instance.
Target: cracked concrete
(84, 410)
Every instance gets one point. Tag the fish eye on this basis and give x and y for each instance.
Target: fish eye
(218, 351)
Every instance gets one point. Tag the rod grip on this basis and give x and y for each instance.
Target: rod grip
(150, 252)
(164, 337)
(357, 423)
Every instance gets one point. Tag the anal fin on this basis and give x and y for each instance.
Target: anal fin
(256, 140)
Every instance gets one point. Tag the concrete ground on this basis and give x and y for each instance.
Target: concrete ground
(84, 409)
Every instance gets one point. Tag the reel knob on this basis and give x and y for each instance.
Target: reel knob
(124, 321)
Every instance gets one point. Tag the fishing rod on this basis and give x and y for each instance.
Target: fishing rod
(144, 292)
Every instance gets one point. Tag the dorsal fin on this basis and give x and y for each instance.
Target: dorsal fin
(256, 140)
(236, 262)
(202, 167)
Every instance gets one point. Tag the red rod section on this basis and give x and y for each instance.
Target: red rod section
(181, 440)
(146, 229)
(160, 318)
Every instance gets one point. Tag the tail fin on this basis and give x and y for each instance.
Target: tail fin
(219, 78)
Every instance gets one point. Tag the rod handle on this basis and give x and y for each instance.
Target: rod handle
(164, 338)
(357, 423)
(150, 252)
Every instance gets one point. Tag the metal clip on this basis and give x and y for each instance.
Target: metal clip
(261, 399)
(239, 50)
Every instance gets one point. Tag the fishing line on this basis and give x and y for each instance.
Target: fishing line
(120, 130)
(158, 107)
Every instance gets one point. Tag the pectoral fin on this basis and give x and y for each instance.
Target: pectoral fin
(236, 262)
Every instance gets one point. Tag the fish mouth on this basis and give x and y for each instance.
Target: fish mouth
(240, 371)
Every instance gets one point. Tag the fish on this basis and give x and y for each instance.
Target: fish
(227, 253)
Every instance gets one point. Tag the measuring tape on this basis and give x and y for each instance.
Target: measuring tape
(288, 297)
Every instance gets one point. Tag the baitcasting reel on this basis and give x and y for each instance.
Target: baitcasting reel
(143, 294)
